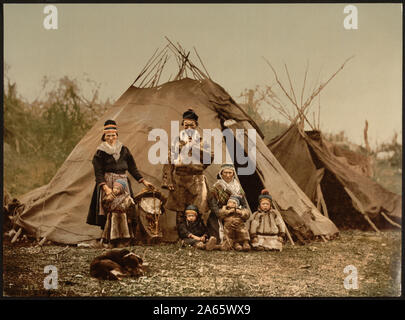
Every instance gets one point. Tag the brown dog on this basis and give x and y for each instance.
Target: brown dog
(116, 264)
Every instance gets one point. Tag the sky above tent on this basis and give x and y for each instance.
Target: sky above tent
(110, 44)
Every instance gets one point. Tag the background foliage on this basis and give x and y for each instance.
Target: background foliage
(38, 136)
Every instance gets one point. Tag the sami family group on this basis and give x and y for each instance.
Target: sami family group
(230, 224)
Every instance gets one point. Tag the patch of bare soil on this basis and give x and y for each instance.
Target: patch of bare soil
(314, 270)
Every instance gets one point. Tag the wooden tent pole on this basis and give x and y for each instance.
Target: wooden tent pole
(201, 62)
(289, 235)
(322, 201)
(286, 228)
(294, 103)
(358, 205)
(371, 223)
(318, 199)
(303, 86)
(390, 221)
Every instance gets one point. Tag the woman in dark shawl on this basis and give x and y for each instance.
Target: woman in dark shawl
(227, 185)
(111, 162)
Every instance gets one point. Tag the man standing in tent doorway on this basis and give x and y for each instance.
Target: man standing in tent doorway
(186, 181)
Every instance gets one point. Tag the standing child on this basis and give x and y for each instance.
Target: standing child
(234, 216)
(118, 230)
(266, 227)
(193, 232)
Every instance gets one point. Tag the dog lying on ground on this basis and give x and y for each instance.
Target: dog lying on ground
(116, 264)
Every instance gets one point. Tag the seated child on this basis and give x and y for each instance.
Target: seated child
(266, 227)
(193, 232)
(118, 229)
(234, 216)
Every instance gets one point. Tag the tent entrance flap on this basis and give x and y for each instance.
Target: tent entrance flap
(251, 184)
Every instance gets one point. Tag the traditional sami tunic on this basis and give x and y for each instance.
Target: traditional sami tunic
(234, 225)
(190, 184)
(218, 197)
(119, 210)
(196, 228)
(265, 229)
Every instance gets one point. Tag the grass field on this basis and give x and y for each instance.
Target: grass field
(314, 270)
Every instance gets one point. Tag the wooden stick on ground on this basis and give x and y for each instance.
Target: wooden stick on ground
(144, 254)
(40, 243)
(16, 235)
(60, 251)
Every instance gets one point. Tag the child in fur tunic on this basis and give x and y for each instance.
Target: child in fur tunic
(266, 227)
(234, 216)
(119, 205)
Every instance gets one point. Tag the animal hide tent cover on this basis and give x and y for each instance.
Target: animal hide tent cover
(59, 210)
(348, 193)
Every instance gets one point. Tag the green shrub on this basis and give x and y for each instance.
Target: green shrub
(39, 136)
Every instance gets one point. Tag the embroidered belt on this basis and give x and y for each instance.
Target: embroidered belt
(266, 234)
(110, 178)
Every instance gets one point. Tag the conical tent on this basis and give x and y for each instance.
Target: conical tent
(58, 210)
(351, 198)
